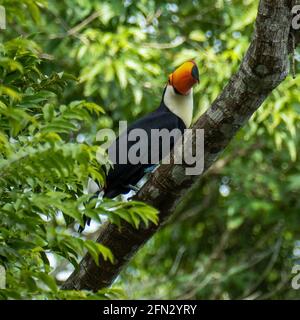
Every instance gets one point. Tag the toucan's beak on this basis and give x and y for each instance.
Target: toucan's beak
(184, 77)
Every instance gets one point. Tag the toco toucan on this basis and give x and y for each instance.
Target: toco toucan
(175, 112)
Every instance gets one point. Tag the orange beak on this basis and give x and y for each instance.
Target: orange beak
(184, 77)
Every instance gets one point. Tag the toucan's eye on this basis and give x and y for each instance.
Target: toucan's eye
(195, 73)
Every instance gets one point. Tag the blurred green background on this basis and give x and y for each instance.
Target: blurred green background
(235, 234)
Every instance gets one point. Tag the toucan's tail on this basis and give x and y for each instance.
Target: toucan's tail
(92, 188)
(107, 194)
(87, 220)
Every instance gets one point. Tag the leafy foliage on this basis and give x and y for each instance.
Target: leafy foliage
(43, 173)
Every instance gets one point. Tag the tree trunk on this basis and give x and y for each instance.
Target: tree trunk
(263, 68)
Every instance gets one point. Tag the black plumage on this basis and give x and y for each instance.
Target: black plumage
(178, 94)
(122, 176)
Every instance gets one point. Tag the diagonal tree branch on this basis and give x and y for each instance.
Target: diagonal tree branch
(263, 68)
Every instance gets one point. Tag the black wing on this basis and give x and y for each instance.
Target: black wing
(123, 175)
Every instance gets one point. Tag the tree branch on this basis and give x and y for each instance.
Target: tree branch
(263, 68)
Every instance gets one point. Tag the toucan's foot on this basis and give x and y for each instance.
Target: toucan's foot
(150, 169)
(134, 188)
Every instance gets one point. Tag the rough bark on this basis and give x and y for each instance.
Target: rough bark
(263, 68)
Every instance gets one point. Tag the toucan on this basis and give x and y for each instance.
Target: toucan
(174, 112)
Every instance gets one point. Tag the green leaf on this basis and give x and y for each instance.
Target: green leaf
(48, 281)
(95, 249)
(121, 74)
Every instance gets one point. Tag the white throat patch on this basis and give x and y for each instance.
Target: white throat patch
(180, 105)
